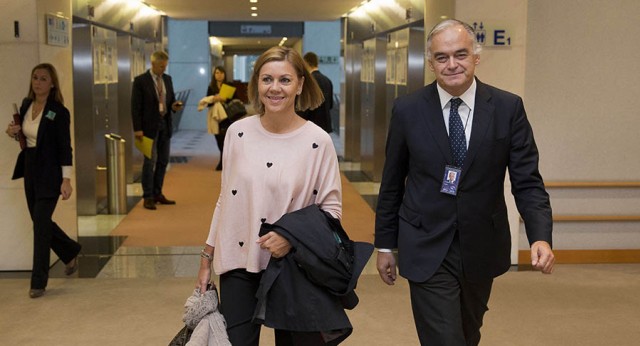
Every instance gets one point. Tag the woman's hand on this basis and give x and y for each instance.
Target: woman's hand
(218, 98)
(275, 243)
(12, 130)
(66, 189)
(204, 274)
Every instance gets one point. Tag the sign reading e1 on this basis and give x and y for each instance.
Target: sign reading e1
(491, 36)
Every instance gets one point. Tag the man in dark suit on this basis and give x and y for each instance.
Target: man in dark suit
(320, 116)
(152, 101)
(453, 237)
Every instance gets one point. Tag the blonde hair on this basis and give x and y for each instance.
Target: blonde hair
(311, 96)
(159, 56)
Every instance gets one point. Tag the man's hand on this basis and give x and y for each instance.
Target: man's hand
(542, 257)
(386, 264)
(176, 106)
(138, 134)
(275, 243)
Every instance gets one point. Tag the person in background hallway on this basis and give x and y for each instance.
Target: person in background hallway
(453, 239)
(46, 166)
(219, 78)
(274, 162)
(152, 101)
(321, 116)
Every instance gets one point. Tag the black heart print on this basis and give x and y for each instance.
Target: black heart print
(314, 146)
(241, 243)
(234, 192)
(269, 164)
(263, 220)
(315, 192)
(240, 134)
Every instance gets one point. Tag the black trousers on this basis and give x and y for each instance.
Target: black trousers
(237, 304)
(448, 308)
(155, 168)
(47, 235)
(220, 141)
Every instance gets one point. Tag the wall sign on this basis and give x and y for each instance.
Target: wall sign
(328, 59)
(255, 29)
(490, 36)
(57, 30)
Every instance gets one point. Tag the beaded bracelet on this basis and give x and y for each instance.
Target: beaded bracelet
(204, 254)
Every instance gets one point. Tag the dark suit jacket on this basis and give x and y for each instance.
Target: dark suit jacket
(420, 221)
(53, 148)
(321, 116)
(144, 104)
(309, 288)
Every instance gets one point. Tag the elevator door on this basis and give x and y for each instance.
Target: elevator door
(131, 63)
(373, 117)
(95, 82)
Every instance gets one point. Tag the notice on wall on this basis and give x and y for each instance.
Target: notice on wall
(253, 29)
(57, 30)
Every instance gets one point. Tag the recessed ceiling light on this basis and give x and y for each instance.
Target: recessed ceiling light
(253, 8)
(253, 1)
(254, 15)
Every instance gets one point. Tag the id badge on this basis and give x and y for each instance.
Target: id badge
(450, 180)
(161, 107)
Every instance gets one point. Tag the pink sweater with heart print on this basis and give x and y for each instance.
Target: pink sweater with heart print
(265, 176)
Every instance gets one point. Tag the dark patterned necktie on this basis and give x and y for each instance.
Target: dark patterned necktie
(457, 139)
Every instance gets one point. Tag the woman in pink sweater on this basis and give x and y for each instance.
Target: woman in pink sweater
(275, 162)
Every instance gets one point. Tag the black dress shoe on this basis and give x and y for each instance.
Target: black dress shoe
(163, 200)
(36, 292)
(71, 267)
(150, 203)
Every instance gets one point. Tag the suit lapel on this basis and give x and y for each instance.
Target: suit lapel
(482, 117)
(435, 121)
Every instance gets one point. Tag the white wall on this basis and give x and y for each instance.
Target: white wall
(582, 87)
(19, 56)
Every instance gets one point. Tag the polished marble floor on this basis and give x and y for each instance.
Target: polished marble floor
(104, 257)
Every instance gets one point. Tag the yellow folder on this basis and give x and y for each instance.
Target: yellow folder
(227, 91)
(145, 145)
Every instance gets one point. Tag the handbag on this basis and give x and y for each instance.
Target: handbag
(184, 334)
(182, 338)
(235, 110)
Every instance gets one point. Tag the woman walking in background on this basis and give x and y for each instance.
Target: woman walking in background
(45, 165)
(219, 78)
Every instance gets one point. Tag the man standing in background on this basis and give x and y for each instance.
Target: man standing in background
(152, 101)
(321, 116)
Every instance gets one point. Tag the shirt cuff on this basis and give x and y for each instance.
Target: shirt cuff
(66, 171)
(385, 250)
